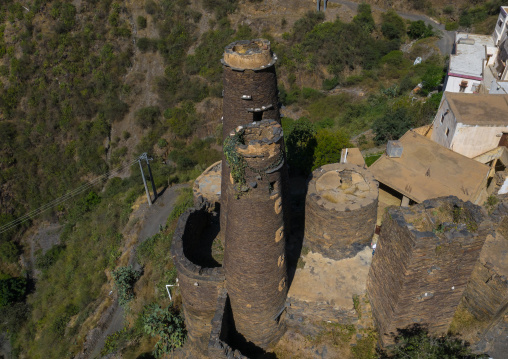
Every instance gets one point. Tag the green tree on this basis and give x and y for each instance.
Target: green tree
(329, 146)
(392, 125)
(141, 21)
(147, 116)
(166, 324)
(364, 17)
(300, 139)
(418, 30)
(392, 25)
(12, 290)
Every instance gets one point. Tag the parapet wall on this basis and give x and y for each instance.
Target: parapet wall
(254, 257)
(424, 258)
(199, 277)
(340, 210)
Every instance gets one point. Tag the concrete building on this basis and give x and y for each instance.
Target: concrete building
(426, 170)
(471, 124)
(468, 61)
(501, 29)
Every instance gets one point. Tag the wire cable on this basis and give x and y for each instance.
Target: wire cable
(64, 197)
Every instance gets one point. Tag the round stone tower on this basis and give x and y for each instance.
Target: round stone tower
(254, 256)
(250, 93)
(340, 209)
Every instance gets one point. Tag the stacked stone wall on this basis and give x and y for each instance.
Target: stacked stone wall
(486, 296)
(199, 284)
(340, 217)
(424, 258)
(254, 257)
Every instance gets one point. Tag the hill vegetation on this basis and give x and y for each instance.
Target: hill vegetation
(63, 87)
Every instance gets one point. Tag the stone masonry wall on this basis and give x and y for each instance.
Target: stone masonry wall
(340, 210)
(486, 296)
(199, 285)
(254, 256)
(424, 258)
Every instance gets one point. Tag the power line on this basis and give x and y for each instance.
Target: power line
(64, 197)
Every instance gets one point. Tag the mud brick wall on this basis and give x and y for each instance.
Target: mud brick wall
(424, 258)
(254, 256)
(218, 346)
(339, 214)
(199, 285)
(255, 79)
(486, 296)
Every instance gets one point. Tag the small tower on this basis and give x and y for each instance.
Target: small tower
(250, 93)
(254, 255)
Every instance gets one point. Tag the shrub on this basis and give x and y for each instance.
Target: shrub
(145, 44)
(392, 125)
(418, 30)
(364, 17)
(147, 116)
(9, 252)
(141, 21)
(125, 278)
(392, 25)
(43, 262)
(12, 290)
(329, 147)
(165, 324)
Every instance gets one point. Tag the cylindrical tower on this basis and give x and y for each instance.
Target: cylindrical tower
(250, 93)
(200, 276)
(340, 209)
(254, 256)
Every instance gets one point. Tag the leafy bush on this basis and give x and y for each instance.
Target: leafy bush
(145, 44)
(147, 116)
(418, 30)
(364, 17)
(183, 120)
(125, 278)
(141, 21)
(12, 290)
(165, 324)
(43, 262)
(329, 147)
(415, 342)
(392, 25)
(9, 252)
(392, 125)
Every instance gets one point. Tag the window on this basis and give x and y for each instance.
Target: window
(500, 23)
(463, 86)
(442, 118)
(447, 132)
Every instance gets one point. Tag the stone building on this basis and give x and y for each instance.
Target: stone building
(254, 255)
(340, 209)
(424, 258)
(250, 92)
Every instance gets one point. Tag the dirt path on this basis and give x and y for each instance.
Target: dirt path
(445, 43)
(150, 218)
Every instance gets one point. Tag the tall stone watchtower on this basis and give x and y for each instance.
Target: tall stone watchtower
(254, 255)
(250, 93)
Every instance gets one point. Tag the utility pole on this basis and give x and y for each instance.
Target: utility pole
(144, 181)
(151, 177)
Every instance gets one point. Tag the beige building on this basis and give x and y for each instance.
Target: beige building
(425, 170)
(471, 124)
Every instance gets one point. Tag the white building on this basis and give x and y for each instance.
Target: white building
(471, 55)
(471, 124)
(501, 29)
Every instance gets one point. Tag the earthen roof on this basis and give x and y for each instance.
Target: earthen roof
(428, 170)
(479, 109)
